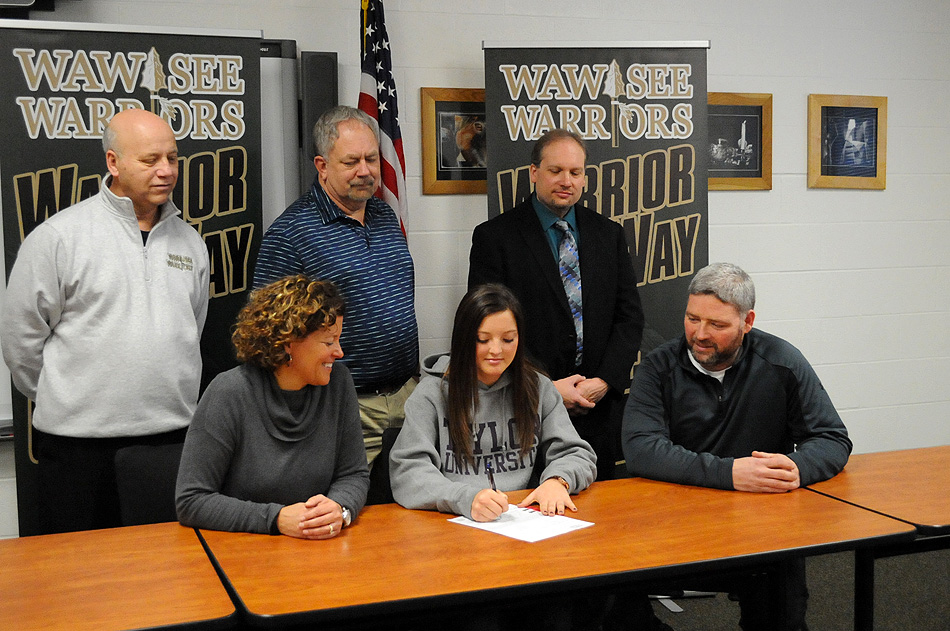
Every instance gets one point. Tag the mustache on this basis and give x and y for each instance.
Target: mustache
(707, 347)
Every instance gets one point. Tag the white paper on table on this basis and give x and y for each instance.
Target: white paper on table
(526, 524)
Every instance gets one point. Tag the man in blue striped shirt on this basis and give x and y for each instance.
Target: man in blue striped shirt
(339, 231)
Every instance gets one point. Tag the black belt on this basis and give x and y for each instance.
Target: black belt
(382, 388)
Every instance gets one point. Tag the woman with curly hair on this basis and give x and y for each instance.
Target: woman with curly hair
(275, 445)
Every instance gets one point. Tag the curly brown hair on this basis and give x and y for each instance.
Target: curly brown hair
(288, 309)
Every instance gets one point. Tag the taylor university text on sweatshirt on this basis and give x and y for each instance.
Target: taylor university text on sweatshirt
(423, 469)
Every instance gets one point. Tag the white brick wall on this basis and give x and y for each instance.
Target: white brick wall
(8, 505)
(859, 280)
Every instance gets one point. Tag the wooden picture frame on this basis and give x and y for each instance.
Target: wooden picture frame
(740, 141)
(453, 141)
(847, 141)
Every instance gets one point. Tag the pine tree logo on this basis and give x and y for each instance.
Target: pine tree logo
(153, 80)
(614, 87)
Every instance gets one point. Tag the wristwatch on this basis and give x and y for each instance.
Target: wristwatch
(347, 518)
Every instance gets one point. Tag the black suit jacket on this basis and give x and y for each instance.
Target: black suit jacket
(511, 249)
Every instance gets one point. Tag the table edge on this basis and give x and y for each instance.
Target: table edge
(515, 592)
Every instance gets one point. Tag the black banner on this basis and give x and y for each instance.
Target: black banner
(642, 113)
(63, 85)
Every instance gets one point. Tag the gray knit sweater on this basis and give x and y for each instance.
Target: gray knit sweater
(247, 455)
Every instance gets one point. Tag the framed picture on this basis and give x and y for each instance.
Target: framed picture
(740, 141)
(453, 141)
(847, 141)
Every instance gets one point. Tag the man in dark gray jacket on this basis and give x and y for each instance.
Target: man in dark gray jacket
(730, 407)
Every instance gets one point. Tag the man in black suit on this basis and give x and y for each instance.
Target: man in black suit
(522, 248)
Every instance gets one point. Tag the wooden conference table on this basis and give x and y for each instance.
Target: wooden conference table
(395, 561)
(122, 578)
(911, 485)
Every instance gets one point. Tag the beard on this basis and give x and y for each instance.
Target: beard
(714, 357)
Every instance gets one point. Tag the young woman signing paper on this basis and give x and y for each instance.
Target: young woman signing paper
(488, 405)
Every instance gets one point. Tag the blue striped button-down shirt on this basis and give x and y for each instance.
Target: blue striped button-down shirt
(371, 265)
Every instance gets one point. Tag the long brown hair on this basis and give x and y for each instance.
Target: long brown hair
(476, 305)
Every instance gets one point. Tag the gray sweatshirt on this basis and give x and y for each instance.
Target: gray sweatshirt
(423, 470)
(102, 331)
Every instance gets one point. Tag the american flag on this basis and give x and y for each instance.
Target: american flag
(378, 99)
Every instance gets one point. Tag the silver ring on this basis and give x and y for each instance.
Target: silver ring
(331, 529)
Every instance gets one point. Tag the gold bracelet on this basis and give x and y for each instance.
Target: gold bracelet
(562, 481)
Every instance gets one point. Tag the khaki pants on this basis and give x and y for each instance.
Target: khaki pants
(379, 411)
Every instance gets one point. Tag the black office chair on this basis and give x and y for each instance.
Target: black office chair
(145, 477)
(380, 489)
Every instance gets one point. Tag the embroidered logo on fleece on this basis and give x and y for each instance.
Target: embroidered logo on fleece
(179, 261)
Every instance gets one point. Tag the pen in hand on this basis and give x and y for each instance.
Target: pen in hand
(491, 475)
(490, 503)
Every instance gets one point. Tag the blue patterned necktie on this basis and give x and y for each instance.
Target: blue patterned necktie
(570, 267)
